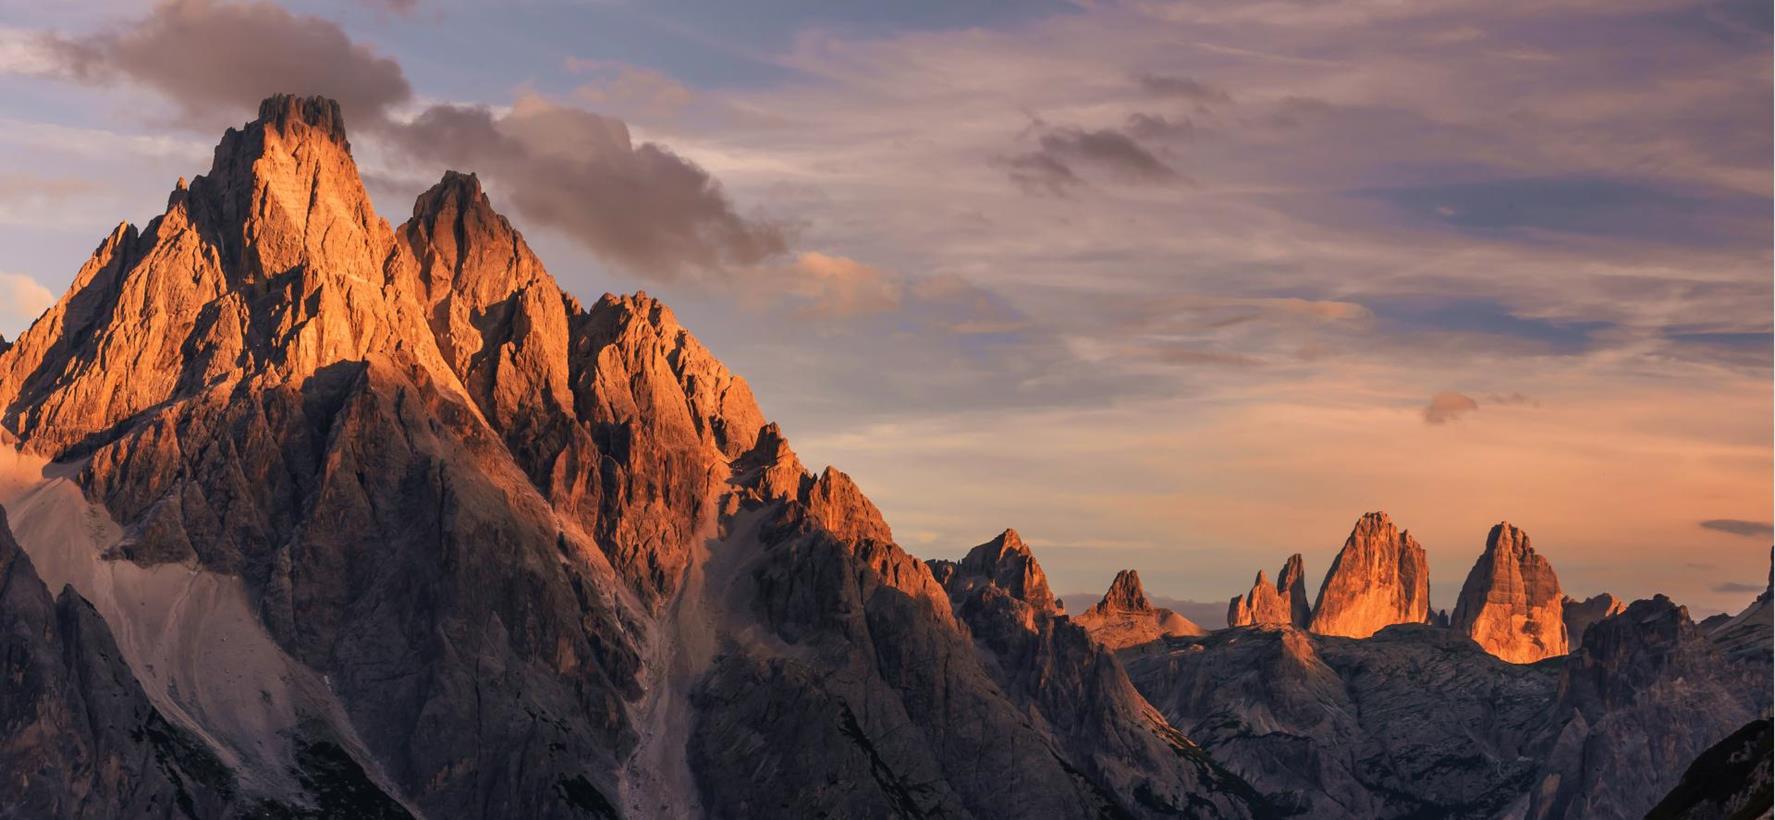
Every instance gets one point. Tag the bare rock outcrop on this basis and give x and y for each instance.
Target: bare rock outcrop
(1283, 603)
(1378, 579)
(1511, 604)
(1125, 618)
(1579, 615)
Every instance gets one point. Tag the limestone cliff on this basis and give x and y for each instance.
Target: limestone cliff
(1285, 602)
(1511, 604)
(1380, 578)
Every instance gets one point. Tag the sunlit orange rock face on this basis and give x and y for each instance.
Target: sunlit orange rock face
(1126, 618)
(1511, 603)
(1285, 602)
(1378, 579)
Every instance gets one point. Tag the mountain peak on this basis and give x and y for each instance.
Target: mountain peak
(1381, 577)
(1511, 603)
(1126, 618)
(1009, 562)
(286, 111)
(1125, 593)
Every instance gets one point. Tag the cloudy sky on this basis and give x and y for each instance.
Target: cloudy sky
(1178, 286)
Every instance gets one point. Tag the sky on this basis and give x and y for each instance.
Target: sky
(1184, 287)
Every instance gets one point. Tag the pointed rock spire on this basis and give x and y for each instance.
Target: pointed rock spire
(1125, 594)
(1126, 618)
(1511, 604)
(1380, 578)
(1283, 603)
(1010, 564)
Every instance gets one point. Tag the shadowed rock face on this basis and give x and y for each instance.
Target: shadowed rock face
(1378, 579)
(78, 738)
(1124, 618)
(1420, 721)
(1283, 603)
(550, 559)
(1511, 604)
(1643, 696)
(1579, 615)
(1731, 779)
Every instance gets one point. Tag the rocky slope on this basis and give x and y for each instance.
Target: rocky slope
(1731, 780)
(510, 555)
(1125, 618)
(1283, 603)
(1511, 604)
(1378, 579)
(1419, 721)
(1643, 696)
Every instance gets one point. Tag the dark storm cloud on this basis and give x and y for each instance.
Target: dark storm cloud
(1734, 526)
(640, 206)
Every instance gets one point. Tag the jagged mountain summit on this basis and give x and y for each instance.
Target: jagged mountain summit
(1283, 603)
(1380, 578)
(386, 524)
(1126, 618)
(1511, 604)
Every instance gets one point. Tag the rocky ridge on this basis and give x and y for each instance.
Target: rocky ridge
(1579, 615)
(1283, 603)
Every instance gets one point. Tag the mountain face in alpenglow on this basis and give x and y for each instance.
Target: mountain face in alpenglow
(1125, 618)
(1511, 604)
(360, 520)
(1379, 578)
(1283, 603)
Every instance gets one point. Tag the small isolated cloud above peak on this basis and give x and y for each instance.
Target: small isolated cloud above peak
(1448, 406)
(1734, 526)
